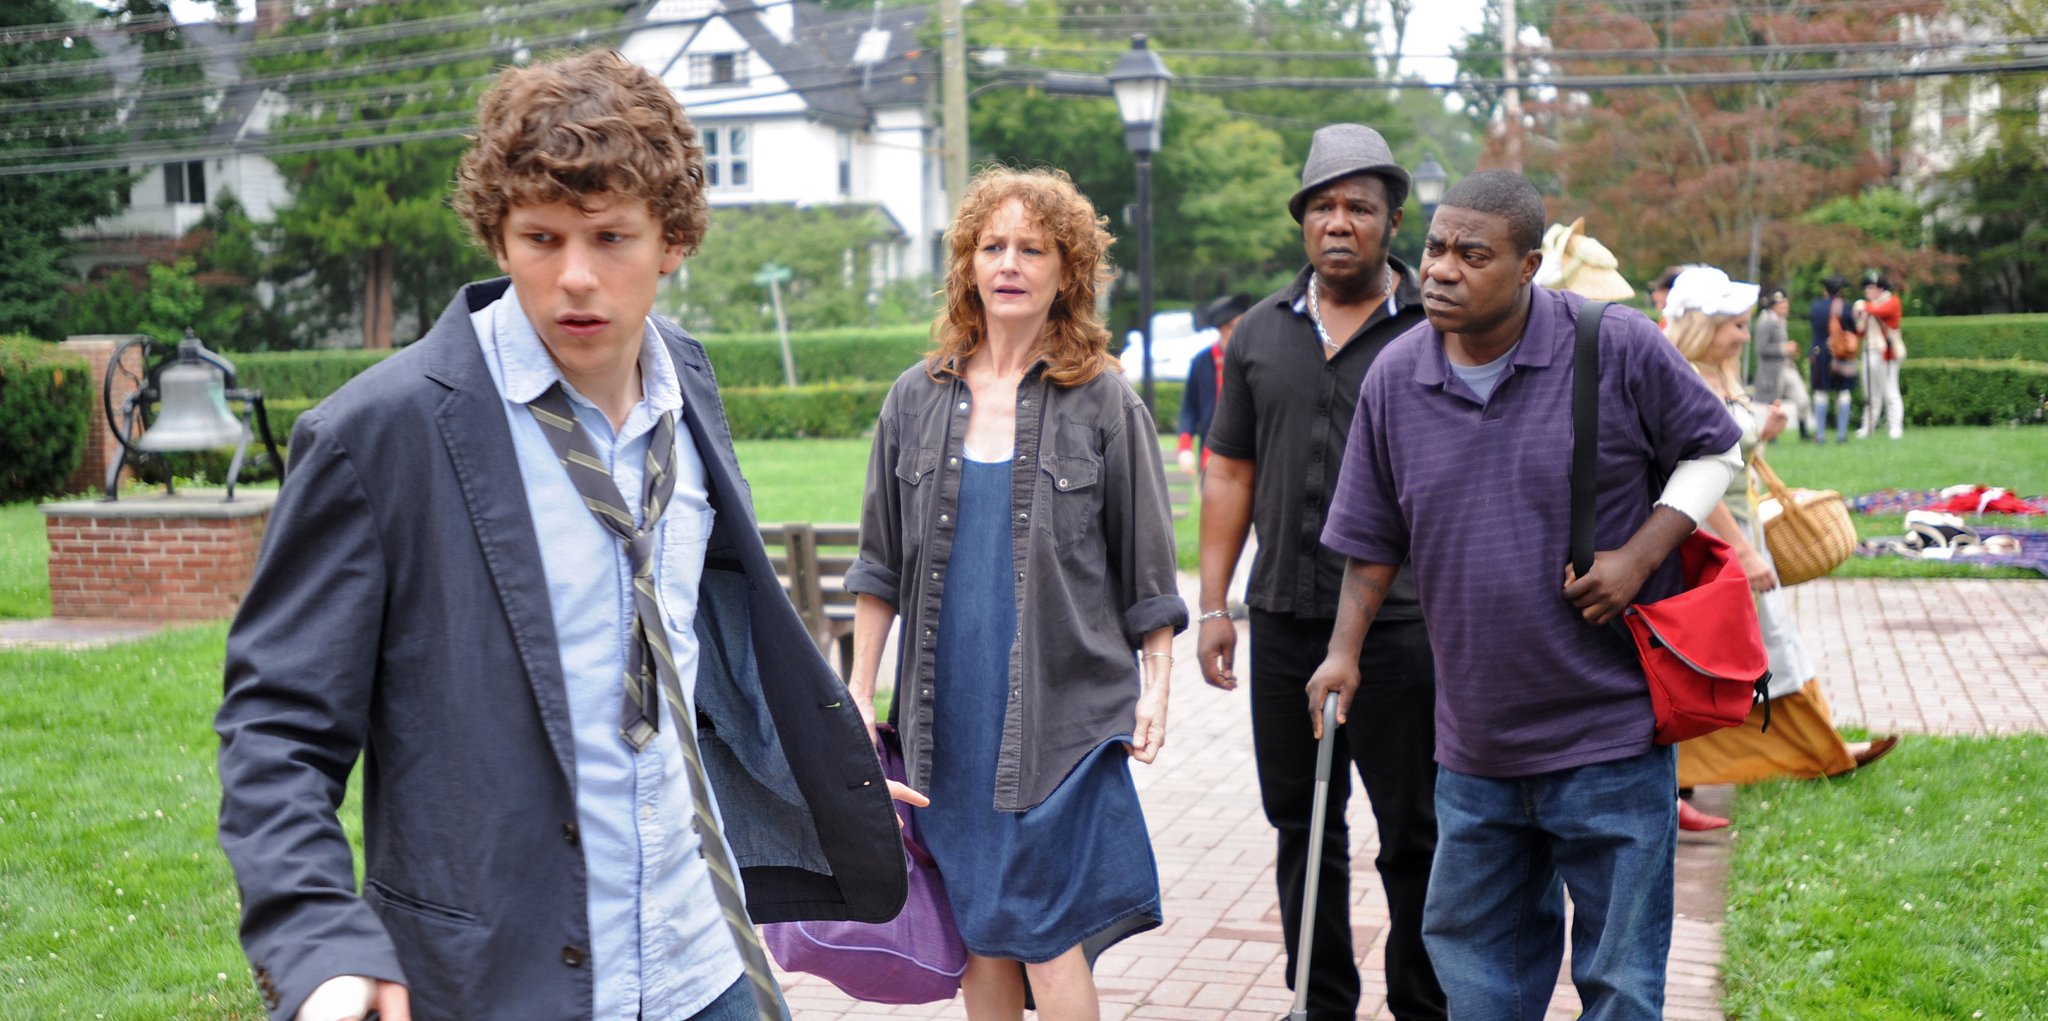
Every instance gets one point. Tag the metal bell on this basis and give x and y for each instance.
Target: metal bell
(193, 411)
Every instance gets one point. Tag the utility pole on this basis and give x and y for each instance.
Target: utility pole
(1511, 98)
(953, 89)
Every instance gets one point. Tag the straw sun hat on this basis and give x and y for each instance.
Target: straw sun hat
(1574, 262)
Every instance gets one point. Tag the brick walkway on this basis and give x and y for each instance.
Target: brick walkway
(1894, 656)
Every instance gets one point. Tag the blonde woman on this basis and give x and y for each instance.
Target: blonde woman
(1709, 316)
(1016, 518)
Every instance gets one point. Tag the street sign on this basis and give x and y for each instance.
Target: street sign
(773, 277)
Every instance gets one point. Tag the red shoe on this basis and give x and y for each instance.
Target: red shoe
(1690, 818)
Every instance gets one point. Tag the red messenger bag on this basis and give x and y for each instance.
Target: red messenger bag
(1701, 650)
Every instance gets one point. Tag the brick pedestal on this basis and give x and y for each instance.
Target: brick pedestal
(101, 448)
(155, 557)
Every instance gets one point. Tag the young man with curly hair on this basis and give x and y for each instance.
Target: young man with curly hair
(516, 570)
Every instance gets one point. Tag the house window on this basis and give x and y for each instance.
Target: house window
(185, 182)
(846, 163)
(725, 157)
(711, 70)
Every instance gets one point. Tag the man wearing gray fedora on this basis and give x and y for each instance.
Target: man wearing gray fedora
(1291, 379)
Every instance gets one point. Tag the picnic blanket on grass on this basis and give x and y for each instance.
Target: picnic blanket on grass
(2033, 551)
(1967, 499)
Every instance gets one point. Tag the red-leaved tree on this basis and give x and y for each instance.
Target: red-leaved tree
(1681, 173)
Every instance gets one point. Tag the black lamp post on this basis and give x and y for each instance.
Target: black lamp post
(1139, 83)
(1430, 181)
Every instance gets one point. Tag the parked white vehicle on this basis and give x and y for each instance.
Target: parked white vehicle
(1174, 343)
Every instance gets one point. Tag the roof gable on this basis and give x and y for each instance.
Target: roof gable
(808, 58)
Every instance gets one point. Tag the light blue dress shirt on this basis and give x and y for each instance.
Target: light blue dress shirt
(660, 949)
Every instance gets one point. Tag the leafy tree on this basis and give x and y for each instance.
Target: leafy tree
(38, 208)
(1687, 173)
(230, 263)
(173, 303)
(1998, 220)
(211, 288)
(113, 305)
(1882, 228)
(369, 231)
(1231, 157)
(826, 247)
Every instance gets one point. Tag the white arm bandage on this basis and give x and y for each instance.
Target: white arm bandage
(1696, 486)
(340, 998)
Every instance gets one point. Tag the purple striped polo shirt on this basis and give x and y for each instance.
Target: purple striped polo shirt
(1477, 494)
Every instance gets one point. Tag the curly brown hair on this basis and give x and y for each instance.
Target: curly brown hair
(1075, 341)
(577, 129)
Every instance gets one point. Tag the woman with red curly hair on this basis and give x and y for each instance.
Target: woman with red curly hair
(1016, 518)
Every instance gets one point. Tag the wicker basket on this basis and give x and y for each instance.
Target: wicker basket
(1812, 534)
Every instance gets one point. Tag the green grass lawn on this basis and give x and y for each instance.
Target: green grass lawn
(1917, 890)
(1930, 457)
(805, 480)
(24, 562)
(114, 898)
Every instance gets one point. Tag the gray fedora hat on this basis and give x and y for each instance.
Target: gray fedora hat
(1342, 150)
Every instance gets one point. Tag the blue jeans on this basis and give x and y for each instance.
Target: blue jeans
(735, 1004)
(1506, 850)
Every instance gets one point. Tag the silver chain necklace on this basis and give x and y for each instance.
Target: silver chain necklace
(1315, 307)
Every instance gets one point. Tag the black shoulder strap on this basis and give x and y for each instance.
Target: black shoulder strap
(1585, 433)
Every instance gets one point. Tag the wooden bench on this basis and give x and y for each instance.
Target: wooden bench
(816, 582)
(1180, 488)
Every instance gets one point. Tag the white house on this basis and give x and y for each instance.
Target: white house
(802, 105)
(1951, 120)
(169, 198)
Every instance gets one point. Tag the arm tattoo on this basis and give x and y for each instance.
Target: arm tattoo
(1367, 590)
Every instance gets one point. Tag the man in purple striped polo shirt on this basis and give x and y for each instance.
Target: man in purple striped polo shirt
(1459, 461)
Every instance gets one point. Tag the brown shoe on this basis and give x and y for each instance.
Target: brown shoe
(1878, 749)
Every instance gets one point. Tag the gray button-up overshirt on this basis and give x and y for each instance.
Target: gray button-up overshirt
(1092, 534)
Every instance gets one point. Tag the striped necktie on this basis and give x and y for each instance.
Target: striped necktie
(650, 676)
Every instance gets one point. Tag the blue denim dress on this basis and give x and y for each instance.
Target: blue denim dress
(1076, 869)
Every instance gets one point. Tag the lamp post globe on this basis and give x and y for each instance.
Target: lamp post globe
(1139, 83)
(1430, 181)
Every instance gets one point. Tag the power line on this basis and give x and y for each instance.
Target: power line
(283, 45)
(402, 92)
(411, 62)
(1595, 82)
(175, 153)
(1647, 53)
(113, 24)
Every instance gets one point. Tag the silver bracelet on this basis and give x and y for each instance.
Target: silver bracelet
(1212, 615)
(1167, 656)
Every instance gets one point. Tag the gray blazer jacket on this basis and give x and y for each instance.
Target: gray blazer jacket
(399, 612)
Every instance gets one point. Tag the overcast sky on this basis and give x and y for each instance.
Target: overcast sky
(1433, 28)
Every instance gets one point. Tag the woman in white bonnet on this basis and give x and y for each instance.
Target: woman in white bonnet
(1709, 316)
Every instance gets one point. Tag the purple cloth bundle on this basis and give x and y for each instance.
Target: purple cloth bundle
(916, 957)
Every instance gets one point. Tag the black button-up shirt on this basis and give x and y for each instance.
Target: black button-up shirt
(1289, 409)
(1092, 535)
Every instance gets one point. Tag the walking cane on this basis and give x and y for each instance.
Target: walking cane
(1317, 817)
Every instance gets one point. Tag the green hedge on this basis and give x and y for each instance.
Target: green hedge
(1954, 391)
(45, 403)
(822, 356)
(1165, 405)
(741, 359)
(301, 375)
(2024, 337)
(779, 413)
